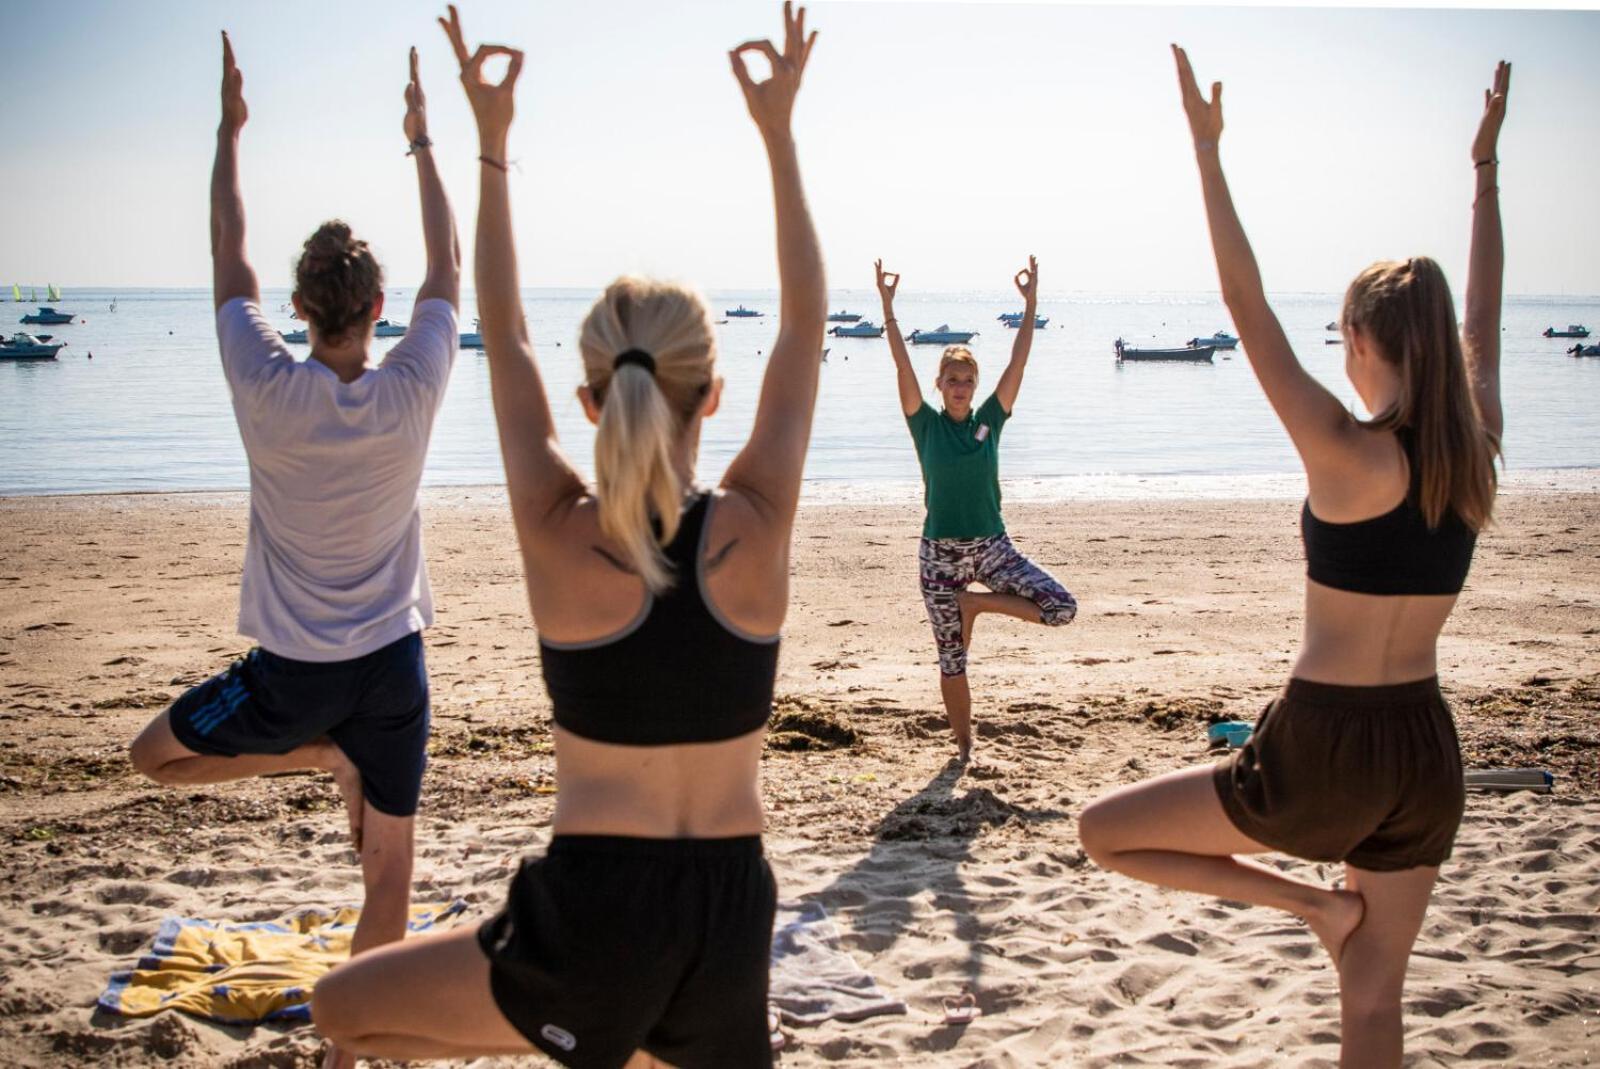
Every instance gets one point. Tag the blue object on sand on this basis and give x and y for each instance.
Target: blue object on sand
(1233, 732)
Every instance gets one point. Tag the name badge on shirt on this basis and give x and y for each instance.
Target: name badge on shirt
(983, 432)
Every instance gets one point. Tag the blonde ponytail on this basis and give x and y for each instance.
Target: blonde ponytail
(644, 412)
(1406, 309)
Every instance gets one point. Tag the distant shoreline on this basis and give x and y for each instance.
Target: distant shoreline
(1070, 488)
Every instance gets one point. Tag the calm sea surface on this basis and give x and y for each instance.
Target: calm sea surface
(151, 412)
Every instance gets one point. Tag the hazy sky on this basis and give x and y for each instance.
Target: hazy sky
(951, 139)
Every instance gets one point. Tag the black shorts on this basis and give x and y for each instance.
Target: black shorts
(1366, 775)
(608, 945)
(374, 707)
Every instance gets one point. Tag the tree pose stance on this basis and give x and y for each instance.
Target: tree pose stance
(964, 538)
(1357, 760)
(644, 932)
(335, 590)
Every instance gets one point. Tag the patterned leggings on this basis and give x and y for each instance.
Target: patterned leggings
(948, 565)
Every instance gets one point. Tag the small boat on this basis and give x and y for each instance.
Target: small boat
(1584, 350)
(24, 346)
(1191, 354)
(475, 339)
(381, 329)
(1014, 319)
(1332, 341)
(16, 293)
(943, 336)
(842, 316)
(1220, 340)
(1573, 330)
(47, 314)
(742, 312)
(864, 329)
(1332, 326)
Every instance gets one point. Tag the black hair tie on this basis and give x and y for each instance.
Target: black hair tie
(634, 356)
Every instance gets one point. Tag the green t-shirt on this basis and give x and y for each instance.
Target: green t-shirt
(960, 470)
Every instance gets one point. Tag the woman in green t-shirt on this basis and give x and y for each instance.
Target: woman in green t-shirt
(964, 537)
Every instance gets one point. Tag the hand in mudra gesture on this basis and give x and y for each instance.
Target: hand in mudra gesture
(886, 288)
(234, 111)
(1205, 116)
(493, 104)
(771, 102)
(1027, 281)
(416, 121)
(1486, 144)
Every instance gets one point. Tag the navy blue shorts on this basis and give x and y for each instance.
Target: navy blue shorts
(374, 707)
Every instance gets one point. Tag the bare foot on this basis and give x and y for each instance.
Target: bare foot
(969, 613)
(964, 752)
(1334, 923)
(348, 778)
(334, 1058)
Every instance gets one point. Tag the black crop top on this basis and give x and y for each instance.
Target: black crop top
(679, 673)
(1394, 553)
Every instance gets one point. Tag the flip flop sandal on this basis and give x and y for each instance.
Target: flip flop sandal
(961, 1009)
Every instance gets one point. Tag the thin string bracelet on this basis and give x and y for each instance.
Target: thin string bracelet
(1485, 193)
(495, 163)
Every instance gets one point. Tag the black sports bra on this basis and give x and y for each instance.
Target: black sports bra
(1395, 553)
(678, 673)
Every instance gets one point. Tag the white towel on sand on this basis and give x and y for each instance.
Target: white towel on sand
(812, 978)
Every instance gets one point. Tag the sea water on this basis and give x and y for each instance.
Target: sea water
(150, 410)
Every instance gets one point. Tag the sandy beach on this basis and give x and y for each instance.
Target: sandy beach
(940, 877)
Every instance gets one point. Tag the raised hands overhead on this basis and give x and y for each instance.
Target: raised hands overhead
(1027, 281)
(1486, 143)
(771, 102)
(888, 282)
(492, 102)
(416, 121)
(1205, 116)
(234, 111)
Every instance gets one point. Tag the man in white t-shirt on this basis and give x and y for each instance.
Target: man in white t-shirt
(335, 590)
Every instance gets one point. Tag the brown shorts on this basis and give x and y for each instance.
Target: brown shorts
(1366, 775)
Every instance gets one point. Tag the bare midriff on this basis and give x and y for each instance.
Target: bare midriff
(1370, 640)
(703, 790)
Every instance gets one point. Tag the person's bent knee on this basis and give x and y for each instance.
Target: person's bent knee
(1094, 834)
(335, 1008)
(1057, 613)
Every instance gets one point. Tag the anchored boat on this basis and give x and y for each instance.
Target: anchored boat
(842, 316)
(1574, 330)
(47, 314)
(1220, 340)
(1014, 319)
(1584, 350)
(864, 329)
(1188, 354)
(943, 336)
(742, 312)
(24, 346)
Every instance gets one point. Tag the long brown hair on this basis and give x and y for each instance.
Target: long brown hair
(1405, 310)
(643, 413)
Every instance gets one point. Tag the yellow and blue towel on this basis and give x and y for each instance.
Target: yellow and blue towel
(244, 973)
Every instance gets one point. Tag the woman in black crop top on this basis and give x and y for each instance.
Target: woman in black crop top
(1357, 760)
(644, 932)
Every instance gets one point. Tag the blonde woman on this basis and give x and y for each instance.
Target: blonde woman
(1357, 760)
(644, 931)
(964, 536)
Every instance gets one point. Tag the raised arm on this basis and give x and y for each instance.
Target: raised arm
(905, 378)
(1027, 282)
(231, 273)
(443, 279)
(1314, 418)
(1480, 334)
(538, 477)
(768, 469)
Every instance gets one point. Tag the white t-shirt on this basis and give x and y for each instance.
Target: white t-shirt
(333, 567)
